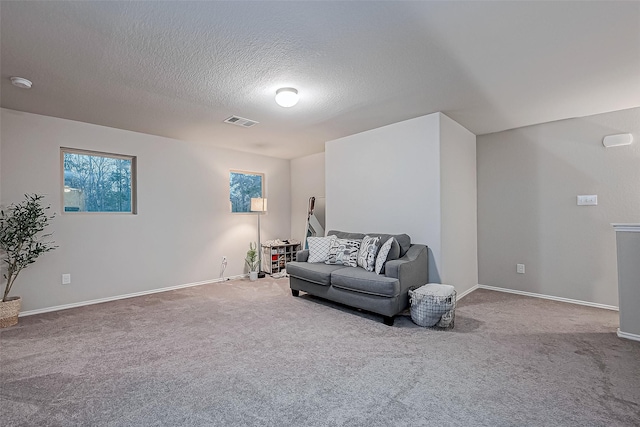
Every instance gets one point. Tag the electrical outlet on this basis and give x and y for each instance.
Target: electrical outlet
(520, 268)
(66, 279)
(224, 259)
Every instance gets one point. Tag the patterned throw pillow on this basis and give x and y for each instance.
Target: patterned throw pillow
(381, 259)
(319, 248)
(368, 251)
(344, 251)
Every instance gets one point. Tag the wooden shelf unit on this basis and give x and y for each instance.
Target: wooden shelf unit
(276, 257)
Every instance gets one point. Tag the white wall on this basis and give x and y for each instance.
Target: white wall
(459, 199)
(387, 180)
(307, 180)
(628, 250)
(528, 180)
(183, 226)
(0, 164)
(416, 177)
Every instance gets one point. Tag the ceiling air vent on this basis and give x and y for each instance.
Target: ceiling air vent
(241, 121)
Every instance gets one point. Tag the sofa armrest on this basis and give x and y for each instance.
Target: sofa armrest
(412, 269)
(302, 256)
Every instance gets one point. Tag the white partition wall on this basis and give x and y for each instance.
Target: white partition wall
(628, 250)
(459, 204)
(391, 180)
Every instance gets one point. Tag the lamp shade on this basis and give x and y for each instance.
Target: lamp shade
(258, 204)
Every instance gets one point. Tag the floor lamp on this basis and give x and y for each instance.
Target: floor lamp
(259, 205)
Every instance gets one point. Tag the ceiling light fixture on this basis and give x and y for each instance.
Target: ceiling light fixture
(287, 97)
(21, 83)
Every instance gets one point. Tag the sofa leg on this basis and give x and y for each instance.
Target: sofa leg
(295, 292)
(388, 320)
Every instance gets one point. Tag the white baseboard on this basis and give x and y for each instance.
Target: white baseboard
(628, 336)
(467, 292)
(550, 297)
(135, 294)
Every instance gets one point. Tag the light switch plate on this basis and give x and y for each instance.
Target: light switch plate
(66, 279)
(590, 200)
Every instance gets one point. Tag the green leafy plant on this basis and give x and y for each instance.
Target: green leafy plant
(21, 225)
(252, 257)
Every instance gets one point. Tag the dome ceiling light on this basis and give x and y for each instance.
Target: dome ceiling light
(21, 83)
(287, 97)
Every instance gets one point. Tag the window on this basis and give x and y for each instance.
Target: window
(98, 182)
(242, 187)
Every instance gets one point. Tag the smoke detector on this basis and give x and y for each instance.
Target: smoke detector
(21, 82)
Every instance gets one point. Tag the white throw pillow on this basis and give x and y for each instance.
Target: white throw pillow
(344, 251)
(319, 248)
(381, 259)
(368, 251)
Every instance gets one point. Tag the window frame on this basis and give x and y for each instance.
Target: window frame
(245, 172)
(134, 180)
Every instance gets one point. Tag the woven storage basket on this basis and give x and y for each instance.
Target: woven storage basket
(9, 311)
(433, 305)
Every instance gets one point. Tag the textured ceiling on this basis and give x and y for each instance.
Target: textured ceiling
(179, 68)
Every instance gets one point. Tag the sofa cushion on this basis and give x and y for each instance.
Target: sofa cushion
(344, 252)
(318, 273)
(345, 235)
(366, 282)
(403, 240)
(319, 248)
(368, 251)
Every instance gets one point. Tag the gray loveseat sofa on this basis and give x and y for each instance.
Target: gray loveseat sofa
(385, 294)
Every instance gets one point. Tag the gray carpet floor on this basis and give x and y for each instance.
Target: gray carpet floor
(249, 354)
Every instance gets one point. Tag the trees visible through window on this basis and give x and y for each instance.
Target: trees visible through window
(98, 182)
(242, 187)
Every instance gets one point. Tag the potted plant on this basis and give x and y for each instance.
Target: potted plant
(252, 261)
(21, 243)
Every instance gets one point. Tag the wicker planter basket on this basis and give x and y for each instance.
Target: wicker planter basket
(9, 311)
